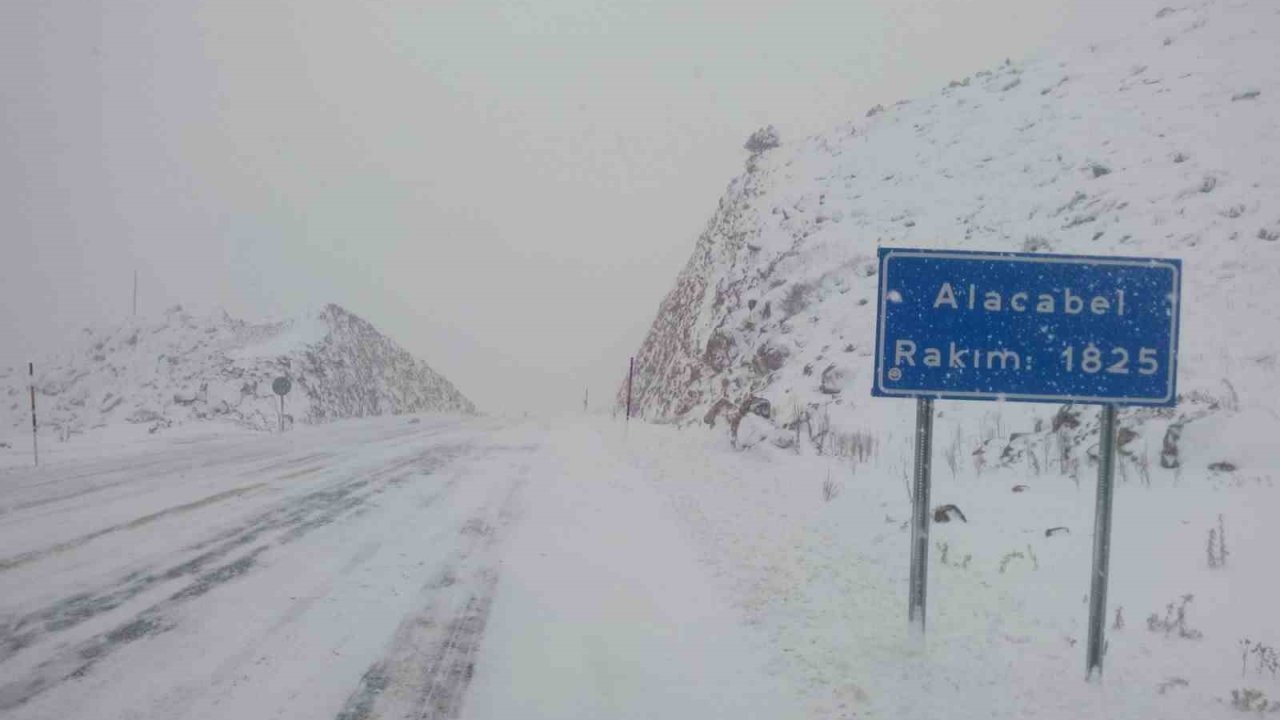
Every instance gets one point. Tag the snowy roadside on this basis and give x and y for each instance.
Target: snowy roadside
(825, 581)
(602, 610)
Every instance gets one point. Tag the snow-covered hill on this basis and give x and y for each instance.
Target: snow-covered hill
(1163, 141)
(186, 368)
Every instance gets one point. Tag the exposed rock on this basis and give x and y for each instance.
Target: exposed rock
(796, 299)
(1125, 435)
(751, 431)
(718, 353)
(722, 409)
(1169, 448)
(757, 406)
(143, 415)
(770, 356)
(1067, 417)
(947, 513)
(766, 138)
(834, 379)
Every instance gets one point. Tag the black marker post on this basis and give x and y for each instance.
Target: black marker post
(1101, 543)
(920, 513)
(35, 440)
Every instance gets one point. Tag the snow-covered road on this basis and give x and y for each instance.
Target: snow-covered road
(436, 567)
(421, 568)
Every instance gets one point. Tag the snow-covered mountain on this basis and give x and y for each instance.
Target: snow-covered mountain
(187, 368)
(1162, 141)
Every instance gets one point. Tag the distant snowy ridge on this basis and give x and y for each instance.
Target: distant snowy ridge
(186, 368)
(1165, 142)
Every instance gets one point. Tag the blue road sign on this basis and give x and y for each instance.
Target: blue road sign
(1027, 327)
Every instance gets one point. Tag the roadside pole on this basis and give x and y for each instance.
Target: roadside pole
(920, 513)
(631, 371)
(35, 439)
(1101, 542)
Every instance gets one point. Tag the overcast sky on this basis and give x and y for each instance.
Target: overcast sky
(506, 188)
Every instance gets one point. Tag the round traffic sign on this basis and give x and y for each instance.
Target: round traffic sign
(281, 385)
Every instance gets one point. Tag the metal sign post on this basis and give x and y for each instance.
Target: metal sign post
(920, 513)
(281, 386)
(1025, 327)
(35, 438)
(1101, 542)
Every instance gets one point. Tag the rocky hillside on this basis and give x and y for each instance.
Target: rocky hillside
(186, 368)
(1162, 141)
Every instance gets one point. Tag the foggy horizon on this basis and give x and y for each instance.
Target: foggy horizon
(506, 190)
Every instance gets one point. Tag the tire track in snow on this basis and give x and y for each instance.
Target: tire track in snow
(431, 658)
(130, 470)
(431, 684)
(285, 523)
(33, 555)
(115, 473)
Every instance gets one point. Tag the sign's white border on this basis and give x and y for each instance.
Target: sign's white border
(1058, 260)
